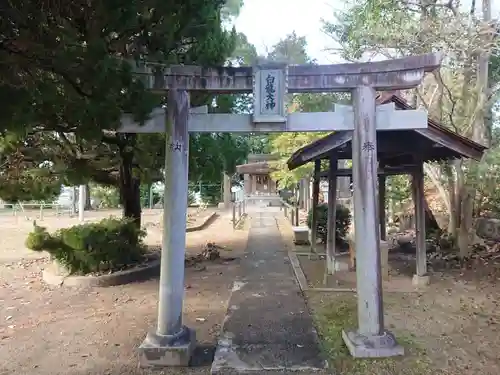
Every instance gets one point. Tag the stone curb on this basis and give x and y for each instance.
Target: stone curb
(293, 256)
(206, 222)
(116, 278)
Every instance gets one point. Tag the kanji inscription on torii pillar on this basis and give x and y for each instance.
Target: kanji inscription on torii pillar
(269, 90)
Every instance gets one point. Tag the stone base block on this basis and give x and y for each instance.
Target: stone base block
(301, 235)
(341, 265)
(383, 346)
(421, 280)
(167, 351)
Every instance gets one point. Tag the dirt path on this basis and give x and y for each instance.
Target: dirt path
(50, 330)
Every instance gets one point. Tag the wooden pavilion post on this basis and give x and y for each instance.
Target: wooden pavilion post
(421, 277)
(307, 196)
(332, 204)
(296, 206)
(381, 206)
(314, 208)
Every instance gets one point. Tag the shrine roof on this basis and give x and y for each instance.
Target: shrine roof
(395, 148)
(261, 167)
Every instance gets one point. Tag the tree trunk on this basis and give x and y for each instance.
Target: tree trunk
(130, 194)
(465, 232)
(479, 135)
(431, 223)
(88, 203)
(454, 186)
(129, 184)
(226, 190)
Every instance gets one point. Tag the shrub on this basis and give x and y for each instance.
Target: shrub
(343, 220)
(107, 245)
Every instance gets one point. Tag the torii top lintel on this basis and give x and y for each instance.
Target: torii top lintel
(396, 74)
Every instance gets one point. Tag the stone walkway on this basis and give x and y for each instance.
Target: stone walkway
(268, 328)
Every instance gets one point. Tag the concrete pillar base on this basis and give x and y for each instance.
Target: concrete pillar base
(167, 351)
(382, 346)
(341, 265)
(301, 235)
(421, 280)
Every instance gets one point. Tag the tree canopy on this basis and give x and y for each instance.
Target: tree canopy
(461, 95)
(67, 77)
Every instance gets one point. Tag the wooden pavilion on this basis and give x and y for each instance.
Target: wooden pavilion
(398, 152)
(257, 175)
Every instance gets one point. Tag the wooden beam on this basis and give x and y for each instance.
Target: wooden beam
(296, 122)
(385, 172)
(396, 74)
(332, 216)
(381, 205)
(298, 203)
(314, 208)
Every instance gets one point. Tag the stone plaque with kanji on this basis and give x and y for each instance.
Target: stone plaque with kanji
(269, 92)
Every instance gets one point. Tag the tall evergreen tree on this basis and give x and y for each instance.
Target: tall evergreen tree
(66, 78)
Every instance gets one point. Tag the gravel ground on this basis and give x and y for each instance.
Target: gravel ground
(57, 330)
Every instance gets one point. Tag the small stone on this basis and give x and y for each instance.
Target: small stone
(201, 320)
(9, 317)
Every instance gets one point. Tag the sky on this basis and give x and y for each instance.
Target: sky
(285, 16)
(265, 22)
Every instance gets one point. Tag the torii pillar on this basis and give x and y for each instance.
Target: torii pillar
(371, 339)
(172, 343)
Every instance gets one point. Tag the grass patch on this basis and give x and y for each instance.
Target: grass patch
(333, 313)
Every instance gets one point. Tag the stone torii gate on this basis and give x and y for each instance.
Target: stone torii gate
(172, 343)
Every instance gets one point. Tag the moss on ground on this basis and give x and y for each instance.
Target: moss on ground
(336, 312)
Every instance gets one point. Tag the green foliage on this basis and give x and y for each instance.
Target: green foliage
(342, 222)
(92, 247)
(108, 197)
(292, 49)
(211, 193)
(487, 182)
(25, 179)
(231, 9)
(364, 24)
(244, 53)
(259, 144)
(37, 184)
(398, 188)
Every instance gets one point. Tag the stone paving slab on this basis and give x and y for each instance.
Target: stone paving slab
(268, 328)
